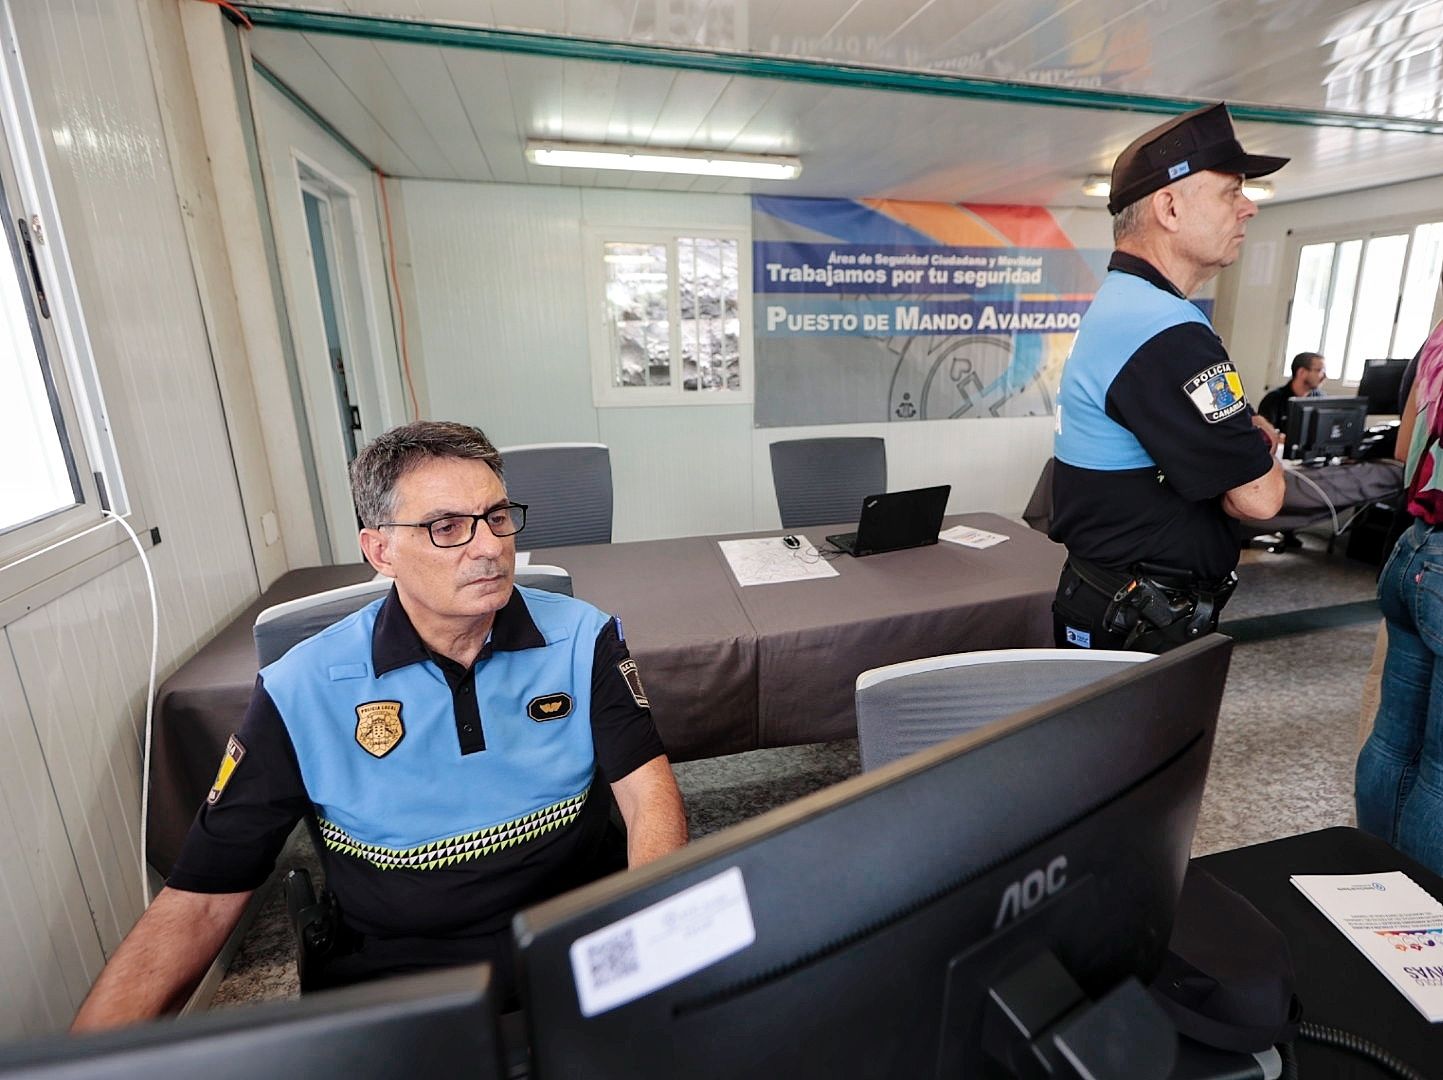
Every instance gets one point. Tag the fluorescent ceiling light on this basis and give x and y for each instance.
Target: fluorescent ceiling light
(636, 159)
(1100, 187)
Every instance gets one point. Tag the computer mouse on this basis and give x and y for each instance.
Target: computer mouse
(792, 542)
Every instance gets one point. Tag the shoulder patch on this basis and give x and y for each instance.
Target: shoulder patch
(234, 752)
(633, 682)
(378, 727)
(1216, 392)
(549, 707)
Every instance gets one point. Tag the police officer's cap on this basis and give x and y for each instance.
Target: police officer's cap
(1192, 142)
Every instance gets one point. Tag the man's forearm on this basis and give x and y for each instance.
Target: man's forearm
(1258, 500)
(651, 806)
(655, 833)
(161, 959)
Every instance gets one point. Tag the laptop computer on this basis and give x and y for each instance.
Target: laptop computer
(896, 520)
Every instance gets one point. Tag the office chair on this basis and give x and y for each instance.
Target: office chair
(823, 481)
(548, 578)
(907, 707)
(568, 489)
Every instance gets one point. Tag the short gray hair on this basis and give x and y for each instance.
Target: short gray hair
(1129, 219)
(379, 467)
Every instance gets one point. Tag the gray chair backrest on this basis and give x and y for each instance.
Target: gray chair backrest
(549, 578)
(908, 707)
(283, 625)
(568, 489)
(823, 481)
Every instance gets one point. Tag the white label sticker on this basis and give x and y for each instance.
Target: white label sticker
(663, 943)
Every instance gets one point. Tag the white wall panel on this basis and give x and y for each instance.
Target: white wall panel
(502, 313)
(73, 672)
(499, 308)
(49, 950)
(86, 734)
(679, 471)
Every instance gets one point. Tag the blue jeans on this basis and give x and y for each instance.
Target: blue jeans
(1399, 780)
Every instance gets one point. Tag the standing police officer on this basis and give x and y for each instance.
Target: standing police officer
(1157, 448)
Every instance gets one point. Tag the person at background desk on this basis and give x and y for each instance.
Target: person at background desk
(1156, 448)
(452, 740)
(1399, 776)
(1309, 371)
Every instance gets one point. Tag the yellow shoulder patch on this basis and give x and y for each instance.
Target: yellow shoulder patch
(234, 751)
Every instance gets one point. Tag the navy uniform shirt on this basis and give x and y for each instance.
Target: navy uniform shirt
(1153, 429)
(448, 798)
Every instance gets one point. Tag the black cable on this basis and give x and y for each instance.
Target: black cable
(1356, 1044)
(1290, 1061)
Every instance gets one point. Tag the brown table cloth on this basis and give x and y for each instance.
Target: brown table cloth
(726, 668)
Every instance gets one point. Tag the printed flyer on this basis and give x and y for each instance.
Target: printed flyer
(1394, 922)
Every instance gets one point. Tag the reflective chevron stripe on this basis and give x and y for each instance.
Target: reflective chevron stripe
(457, 849)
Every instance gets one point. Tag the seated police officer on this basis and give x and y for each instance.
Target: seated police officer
(452, 740)
(1156, 448)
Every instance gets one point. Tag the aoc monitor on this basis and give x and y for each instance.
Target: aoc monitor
(1320, 428)
(1382, 385)
(437, 1024)
(859, 931)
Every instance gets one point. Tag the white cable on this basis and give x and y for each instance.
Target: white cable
(149, 704)
(1333, 510)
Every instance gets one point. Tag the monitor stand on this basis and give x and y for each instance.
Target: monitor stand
(1040, 1024)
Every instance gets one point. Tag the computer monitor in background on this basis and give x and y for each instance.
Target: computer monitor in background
(857, 932)
(1380, 385)
(1320, 428)
(438, 1024)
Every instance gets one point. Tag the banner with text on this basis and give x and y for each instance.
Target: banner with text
(876, 309)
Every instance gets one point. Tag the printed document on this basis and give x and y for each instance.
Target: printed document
(973, 538)
(1394, 922)
(767, 561)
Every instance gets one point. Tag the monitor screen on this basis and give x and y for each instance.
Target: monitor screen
(437, 1024)
(1324, 427)
(1381, 385)
(857, 931)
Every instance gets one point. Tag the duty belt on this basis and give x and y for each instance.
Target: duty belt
(1157, 607)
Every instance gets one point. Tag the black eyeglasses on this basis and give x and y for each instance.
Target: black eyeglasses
(458, 530)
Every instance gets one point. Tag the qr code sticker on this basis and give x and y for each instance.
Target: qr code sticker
(613, 958)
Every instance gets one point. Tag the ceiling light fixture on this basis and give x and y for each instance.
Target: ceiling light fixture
(1100, 186)
(662, 160)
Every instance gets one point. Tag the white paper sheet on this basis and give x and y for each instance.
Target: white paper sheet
(1394, 922)
(767, 561)
(973, 538)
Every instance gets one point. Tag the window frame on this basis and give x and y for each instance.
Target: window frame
(52, 548)
(1363, 231)
(600, 331)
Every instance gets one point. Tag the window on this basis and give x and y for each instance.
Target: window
(1365, 296)
(672, 327)
(50, 413)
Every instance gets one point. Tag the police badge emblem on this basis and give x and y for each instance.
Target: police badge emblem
(378, 727)
(1216, 392)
